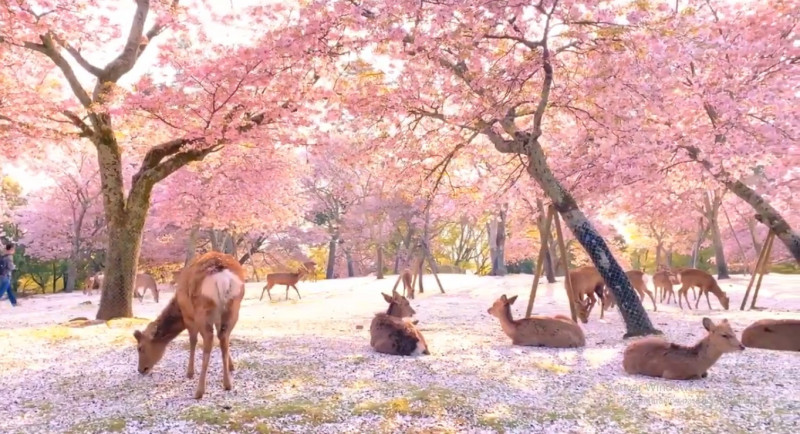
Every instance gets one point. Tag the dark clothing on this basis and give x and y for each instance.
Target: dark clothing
(6, 265)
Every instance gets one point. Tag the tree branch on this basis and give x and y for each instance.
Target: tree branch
(125, 61)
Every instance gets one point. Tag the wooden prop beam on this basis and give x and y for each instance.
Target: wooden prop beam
(758, 271)
(763, 268)
(552, 216)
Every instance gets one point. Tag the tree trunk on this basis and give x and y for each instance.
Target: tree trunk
(712, 209)
(191, 245)
(701, 235)
(659, 247)
(669, 257)
(766, 214)
(351, 272)
(72, 274)
(491, 231)
(379, 273)
(122, 260)
(331, 256)
(636, 320)
(499, 260)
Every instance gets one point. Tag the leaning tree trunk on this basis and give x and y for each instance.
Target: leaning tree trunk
(636, 320)
(766, 214)
(712, 210)
(549, 270)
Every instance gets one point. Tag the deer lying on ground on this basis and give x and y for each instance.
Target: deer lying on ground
(706, 283)
(209, 295)
(538, 331)
(636, 278)
(586, 282)
(655, 357)
(773, 334)
(393, 332)
(288, 279)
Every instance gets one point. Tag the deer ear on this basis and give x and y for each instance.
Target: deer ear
(138, 335)
(512, 300)
(503, 297)
(708, 324)
(387, 297)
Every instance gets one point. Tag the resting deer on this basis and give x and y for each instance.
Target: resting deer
(288, 279)
(537, 331)
(586, 282)
(209, 295)
(393, 332)
(773, 334)
(636, 278)
(690, 277)
(655, 357)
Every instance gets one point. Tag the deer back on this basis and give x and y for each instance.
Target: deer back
(773, 334)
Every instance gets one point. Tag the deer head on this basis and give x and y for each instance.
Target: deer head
(150, 351)
(398, 305)
(721, 337)
(584, 308)
(500, 306)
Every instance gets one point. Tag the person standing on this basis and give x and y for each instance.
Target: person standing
(6, 267)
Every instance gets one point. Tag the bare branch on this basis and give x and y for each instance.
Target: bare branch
(76, 54)
(533, 45)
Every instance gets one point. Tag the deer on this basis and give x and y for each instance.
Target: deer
(288, 279)
(173, 283)
(665, 280)
(209, 295)
(145, 281)
(586, 282)
(655, 357)
(311, 266)
(773, 334)
(690, 277)
(636, 278)
(538, 331)
(408, 287)
(93, 282)
(393, 332)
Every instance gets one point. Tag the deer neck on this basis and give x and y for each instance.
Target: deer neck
(392, 310)
(507, 322)
(169, 324)
(706, 354)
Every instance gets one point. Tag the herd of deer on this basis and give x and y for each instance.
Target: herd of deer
(210, 292)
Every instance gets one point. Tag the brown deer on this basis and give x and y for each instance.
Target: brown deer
(586, 282)
(537, 331)
(408, 288)
(288, 279)
(209, 295)
(665, 281)
(145, 281)
(393, 332)
(655, 357)
(93, 282)
(636, 278)
(706, 283)
(773, 334)
(311, 267)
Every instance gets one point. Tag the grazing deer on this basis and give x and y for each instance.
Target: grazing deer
(706, 283)
(408, 288)
(665, 281)
(655, 357)
(145, 281)
(773, 334)
(288, 279)
(586, 282)
(393, 332)
(636, 278)
(210, 292)
(537, 331)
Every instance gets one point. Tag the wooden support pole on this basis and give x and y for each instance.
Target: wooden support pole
(565, 262)
(757, 269)
(770, 239)
(540, 261)
(432, 263)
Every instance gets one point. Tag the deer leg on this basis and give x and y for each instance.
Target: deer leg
(267, 287)
(155, 294)
(680, 293)
(697, 300)
(707, 301)
(192, 348)
(650, 294)
(287, 292)
(298, 292)
(208, 341)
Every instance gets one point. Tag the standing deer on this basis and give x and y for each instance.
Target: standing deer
(636, 278)
(93, 282)
(665, 281)
(586, 282)
(145, 281)
(209, 295)
(656, 357)
(408, 288)
(288, 279)
(773, 334)
(393, 332)
(706, 283)
(538, 331)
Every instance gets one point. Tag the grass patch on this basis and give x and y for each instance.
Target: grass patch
(128, 322)
(109, 424)
(206, 416)
(51, 334)
(549, 366)
(421, 403)
(257, 418)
